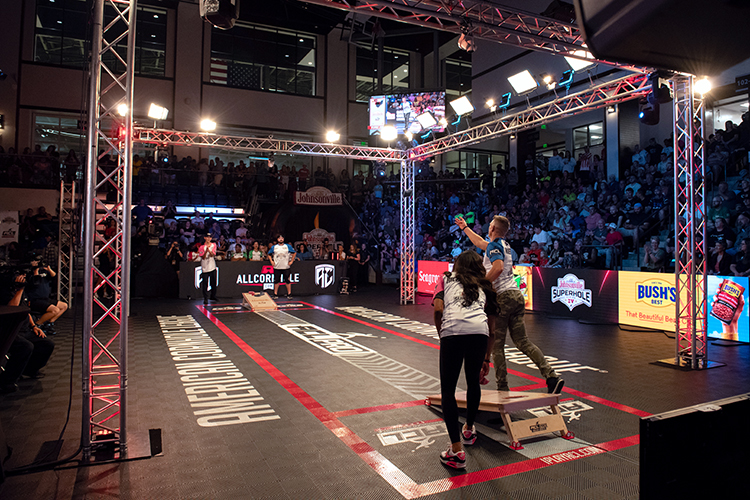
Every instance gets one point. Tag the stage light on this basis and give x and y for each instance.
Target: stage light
(611, 109)
(443, 122)
(409, 135)
(220, 13)
(462, 106)
(122, 109)
(332, 136)
(702, 86)
(523, 82)
(490, 103)
(512, 136)
(505, 101)
(208, 125)
(583, 62)
(388, 133)
(466, 42)
(426, 120)
(157, 112)
(549, 81)
(567, 78)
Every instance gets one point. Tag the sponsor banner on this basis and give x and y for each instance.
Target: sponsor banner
(728, 316)
(308, 277)
(318, 195)
(522, 275)
(8, 227)
(588, 294)
(428, 274)
(647, 300)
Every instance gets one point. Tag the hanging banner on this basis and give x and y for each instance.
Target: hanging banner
(8, 227)
(318, 195)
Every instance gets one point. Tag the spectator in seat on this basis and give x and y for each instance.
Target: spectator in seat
(717, 209)
(142, 212)
(614, 243)
(635, 224)
(719, 263)
(654, 257)
(721, 232)
(741, 264)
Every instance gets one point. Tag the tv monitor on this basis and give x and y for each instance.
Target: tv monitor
(401, 111)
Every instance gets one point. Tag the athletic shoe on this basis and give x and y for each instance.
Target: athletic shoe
(8, 388)
(49, 328)
(274, 296)
(555, 385)
(289, 296)
(468, 436)
(454, 460)
(503, 388)
(205, 302)
(214, 299)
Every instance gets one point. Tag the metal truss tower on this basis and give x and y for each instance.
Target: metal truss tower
(107, 197)
(691, 350)
(408, 256)
(66, 241)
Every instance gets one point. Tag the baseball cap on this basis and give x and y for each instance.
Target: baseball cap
(612, 225)
(637, 205)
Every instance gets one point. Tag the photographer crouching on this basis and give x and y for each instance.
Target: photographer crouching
(38, 289)
(30, 350)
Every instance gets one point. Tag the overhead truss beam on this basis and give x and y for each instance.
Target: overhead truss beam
(264, 145)
(606, 94)
(481, 19)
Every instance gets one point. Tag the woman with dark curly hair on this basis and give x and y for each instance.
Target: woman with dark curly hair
(465, 308)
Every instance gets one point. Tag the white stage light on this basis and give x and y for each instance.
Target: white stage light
(523, 82)
(702, 86)
(580, 64)
(426, 120)
(388, 133)
(462, 106)
(332, 136)
(157, 112)
(208, 125)
(122, 109)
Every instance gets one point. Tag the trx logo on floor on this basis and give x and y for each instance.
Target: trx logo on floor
(218, 392)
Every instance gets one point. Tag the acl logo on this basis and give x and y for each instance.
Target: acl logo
(199, 272)
(325, 275)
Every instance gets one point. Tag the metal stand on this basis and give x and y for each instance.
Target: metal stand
(106, 322)
(407, 232)
(66, 243)
(691, 348)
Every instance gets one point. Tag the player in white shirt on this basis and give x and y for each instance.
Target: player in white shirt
(281, 256)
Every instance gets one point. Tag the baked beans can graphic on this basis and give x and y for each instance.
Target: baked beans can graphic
(727, 301)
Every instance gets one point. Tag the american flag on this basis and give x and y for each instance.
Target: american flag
(244, 76)
(219, 71)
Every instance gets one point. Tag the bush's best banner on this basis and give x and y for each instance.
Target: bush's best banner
(647, 300)
(579, 293)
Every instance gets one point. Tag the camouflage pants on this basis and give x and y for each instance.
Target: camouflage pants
(512, 309)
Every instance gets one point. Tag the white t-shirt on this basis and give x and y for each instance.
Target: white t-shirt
(542, 238)
(457, 319)
(207, 253)
(500, 249)
(282, 255)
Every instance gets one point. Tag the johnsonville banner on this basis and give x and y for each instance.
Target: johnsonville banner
(586, 294)
(318, 195)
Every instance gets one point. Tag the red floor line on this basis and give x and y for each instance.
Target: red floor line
(533, 378)
(402, 483)
(384, 467)
(373, 409)
(442, 485)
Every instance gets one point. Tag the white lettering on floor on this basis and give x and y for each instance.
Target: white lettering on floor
(218, 392)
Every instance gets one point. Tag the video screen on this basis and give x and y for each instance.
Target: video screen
(401, 111)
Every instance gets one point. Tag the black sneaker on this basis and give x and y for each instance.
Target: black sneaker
(468, 436)
(454, 460)
(555, 385)
(274, 296)
(205, 302)
(289, 296)
(49, 328)
(214, 299)
(8, 388)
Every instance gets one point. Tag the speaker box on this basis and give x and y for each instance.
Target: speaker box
(701, 451)
(694, 36)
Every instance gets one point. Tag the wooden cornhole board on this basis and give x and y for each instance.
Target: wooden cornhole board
(506, 402)
(258, 301)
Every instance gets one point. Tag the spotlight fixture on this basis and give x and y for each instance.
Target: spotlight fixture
(512, 136)
(549, 81)
(702, 86)
(122, 109)
(157, 112)
(581, 61)
(466, 42)
(332, 136)
(426, 120)
(567, 78)
(611, 109)
(523, 83)
(208, 125)
(462, 106)
(388, 133)
(491, 104)
(409, 135)
(443, 122)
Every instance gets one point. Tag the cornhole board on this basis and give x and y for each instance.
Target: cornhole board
(505, 402)
(258, 301)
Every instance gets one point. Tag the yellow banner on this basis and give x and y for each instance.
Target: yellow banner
(647, 300)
